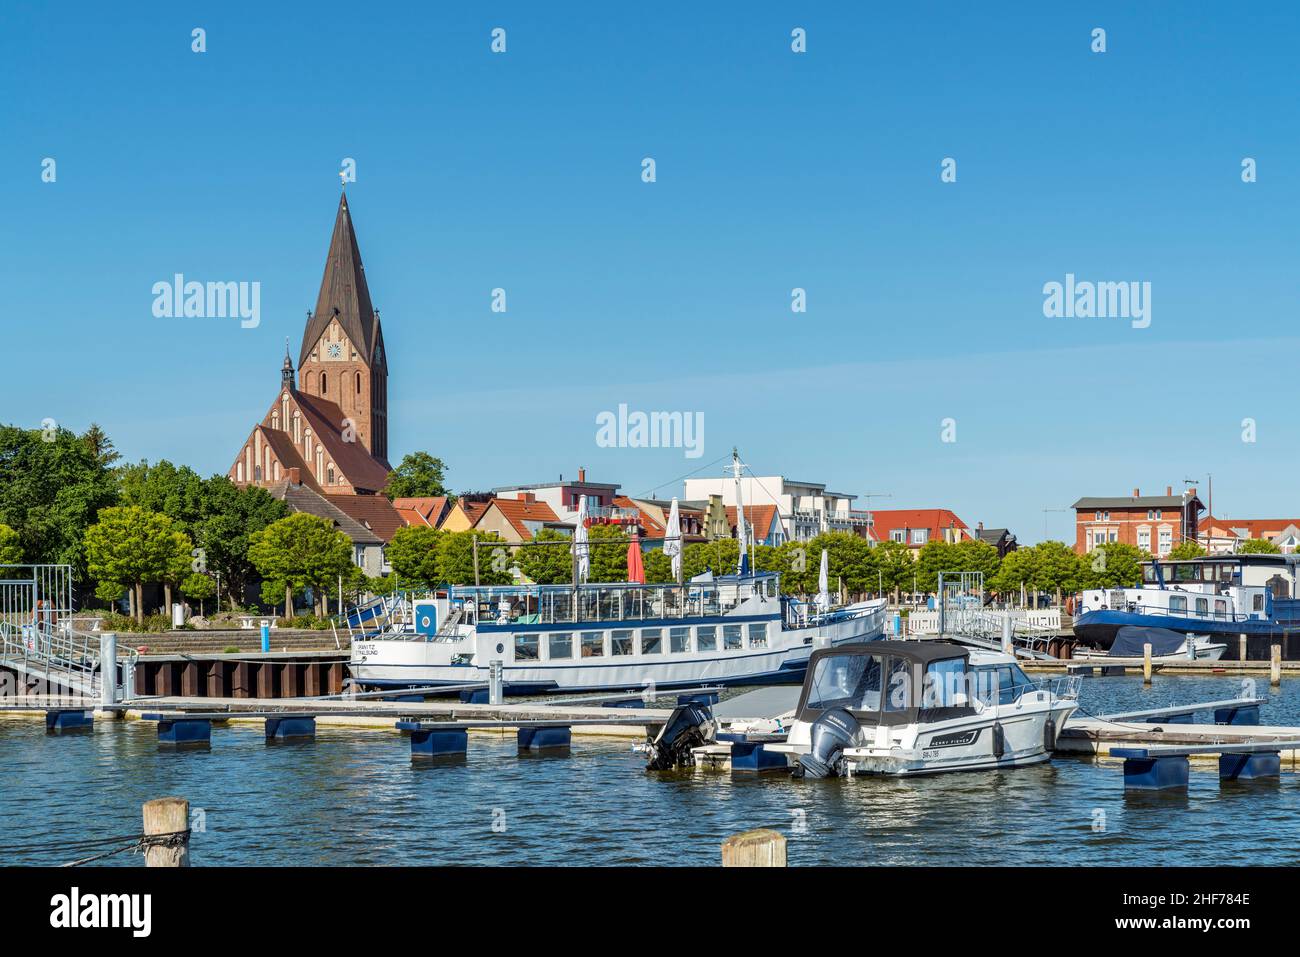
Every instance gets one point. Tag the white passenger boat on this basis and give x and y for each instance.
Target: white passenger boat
(902, 708)
(723, 631)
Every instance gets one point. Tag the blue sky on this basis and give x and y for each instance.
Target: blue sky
(775, 170)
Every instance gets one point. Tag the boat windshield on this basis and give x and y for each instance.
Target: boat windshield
(888, 683)
(846, 681)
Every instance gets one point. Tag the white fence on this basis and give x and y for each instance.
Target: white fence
(926, 622)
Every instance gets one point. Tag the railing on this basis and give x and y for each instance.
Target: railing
(1143, 609)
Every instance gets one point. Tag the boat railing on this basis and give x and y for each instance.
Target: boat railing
(1142, 608)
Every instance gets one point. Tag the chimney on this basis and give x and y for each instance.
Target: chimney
(979, 526)
(295, 476)
(528, 497)
(1137, 493)
(582, 475)
(1169, 491)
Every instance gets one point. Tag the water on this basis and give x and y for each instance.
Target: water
(355, 797)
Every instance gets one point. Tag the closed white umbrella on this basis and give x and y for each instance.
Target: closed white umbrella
(580, 548)
(823, 583)
(673, 540)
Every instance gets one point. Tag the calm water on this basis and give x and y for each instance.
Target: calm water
(354, 797)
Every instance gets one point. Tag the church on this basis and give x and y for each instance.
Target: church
(322, 446)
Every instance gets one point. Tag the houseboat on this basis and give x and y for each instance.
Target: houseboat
(711, 631)
(1216, 597)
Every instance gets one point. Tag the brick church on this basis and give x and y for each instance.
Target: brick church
(323, 444)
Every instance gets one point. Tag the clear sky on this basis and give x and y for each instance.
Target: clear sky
(774, 169)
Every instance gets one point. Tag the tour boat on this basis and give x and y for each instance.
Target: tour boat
(901, 708)
(1216, 597)
(712, 631)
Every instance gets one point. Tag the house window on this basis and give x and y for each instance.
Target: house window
(330, 474)
(1166, 540)
(1157, 513)
(897, 535)
(358, 383)
(1144, 539)
(920, 536)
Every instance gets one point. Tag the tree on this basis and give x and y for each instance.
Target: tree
(1258, 546)
(198, 587)
(132, 546)
(178, 493)
(1112, 565)
(549, 564)
(230, 517)
(1186, 549)
(100, 446)
(456, 559)
(722, 557)
(608, 553)
(418, 475)
(894, 566)
(52, 487)
(413, 553)
(299, 552)
(11, 548)
(658, 567)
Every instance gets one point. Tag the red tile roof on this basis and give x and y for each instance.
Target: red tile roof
(1254, 527)
(428, 510)
(325, 418)
(517, 511)
(650, 525)
(762, 518)
(935, 520)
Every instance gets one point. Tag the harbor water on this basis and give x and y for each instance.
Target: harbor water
(354, 797)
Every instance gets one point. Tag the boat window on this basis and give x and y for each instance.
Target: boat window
(706, 638)
(1220, 606)
(758, 634)
(679, 640)
(846, 681)
(1177, 603)
(1258, 603)
(620, 642)
(559, 645)
(944, 681)
(898, 689)
(526, 647)
(593, 644)
(732, 637)
(1202, 605)
(652, 641)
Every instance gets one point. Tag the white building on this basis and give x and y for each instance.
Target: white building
(806, 508)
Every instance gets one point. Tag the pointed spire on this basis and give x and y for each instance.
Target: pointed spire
(286, 370)
(344, 294)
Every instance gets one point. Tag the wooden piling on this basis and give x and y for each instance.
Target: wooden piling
(1146, 664)
(1275, 666)
(760, 848)
(167, 816)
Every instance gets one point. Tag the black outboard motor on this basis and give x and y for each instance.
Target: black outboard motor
(829, 736)
(689, 726)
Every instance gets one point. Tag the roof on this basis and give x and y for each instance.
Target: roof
(993, 535)
(517, 511)
(362, 469)
(1253, 527)
(651, 523)
(922, 652)
(373, 511)
(1128, 501)
(343, 292)
(426, 510)
(935, 519)
(761, 517)
(287, 453)
(300, 498)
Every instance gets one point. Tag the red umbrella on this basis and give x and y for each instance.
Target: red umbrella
(635, 569)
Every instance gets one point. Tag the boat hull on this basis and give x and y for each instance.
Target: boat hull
(1098, 629)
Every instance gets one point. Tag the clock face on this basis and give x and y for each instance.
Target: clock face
(335, 350)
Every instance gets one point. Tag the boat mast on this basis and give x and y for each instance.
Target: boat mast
(741, 537)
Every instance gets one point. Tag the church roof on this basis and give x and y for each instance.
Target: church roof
(362, 469)
(343, 292)
(287, 453)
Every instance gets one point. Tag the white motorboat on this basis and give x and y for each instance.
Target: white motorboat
(902, 708)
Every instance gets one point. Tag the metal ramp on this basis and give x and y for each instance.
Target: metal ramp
(41, 648)
(963, 619)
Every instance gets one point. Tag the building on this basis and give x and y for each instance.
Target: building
(427, 512)
(563, 496)
(1221, 536)
(805, 509)
(1153, 523)
(367, 543)
(764, 522)
(917, 527)
(519, 519)
(999, 538)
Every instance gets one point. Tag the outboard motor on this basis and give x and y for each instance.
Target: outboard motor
(829, 736)
(689, 726)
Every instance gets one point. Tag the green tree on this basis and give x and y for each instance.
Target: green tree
(722, 557)
(934, 558)
(132, 546)
(1186, 549)
(894, 565)
(230, 517)
(413, 553)
(1112, 565)
(658, 566)
(418, 475)
(608, 552)
(456, 559)
(52, 486)
(1258, 546)
(198, 587)
(11, 547)
(550, 564)
(299, 552)
(176, 492)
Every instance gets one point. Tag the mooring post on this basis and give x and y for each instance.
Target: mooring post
(1008, 630)
(1241, 645)
(167, 816)
(107, 669)
(266, 638)
(1275, 666)
(495, 669)
(1146, 663)
(761, 848)
(128, 678)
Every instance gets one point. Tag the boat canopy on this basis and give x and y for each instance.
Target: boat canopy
(888, 682)
(1130, 639)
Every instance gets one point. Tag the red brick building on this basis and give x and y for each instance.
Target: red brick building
(1153, 523)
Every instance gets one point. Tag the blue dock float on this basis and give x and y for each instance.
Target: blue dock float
(435, 742)
(749, 755)
(290, 727)
(1240, 711)
(1165, 766)
(1143, 772)
(558, 737)
(1250, 767)
(1239, 714)
(76, 719)
(184, 730)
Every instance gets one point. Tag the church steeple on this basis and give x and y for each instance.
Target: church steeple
(286, 370)
(344, 294)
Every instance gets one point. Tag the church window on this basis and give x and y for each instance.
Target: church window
(275, 468)
(239, 472)
(358, 383)
(275, 420)
(330, 480)
(324, 386)
(297, 427)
